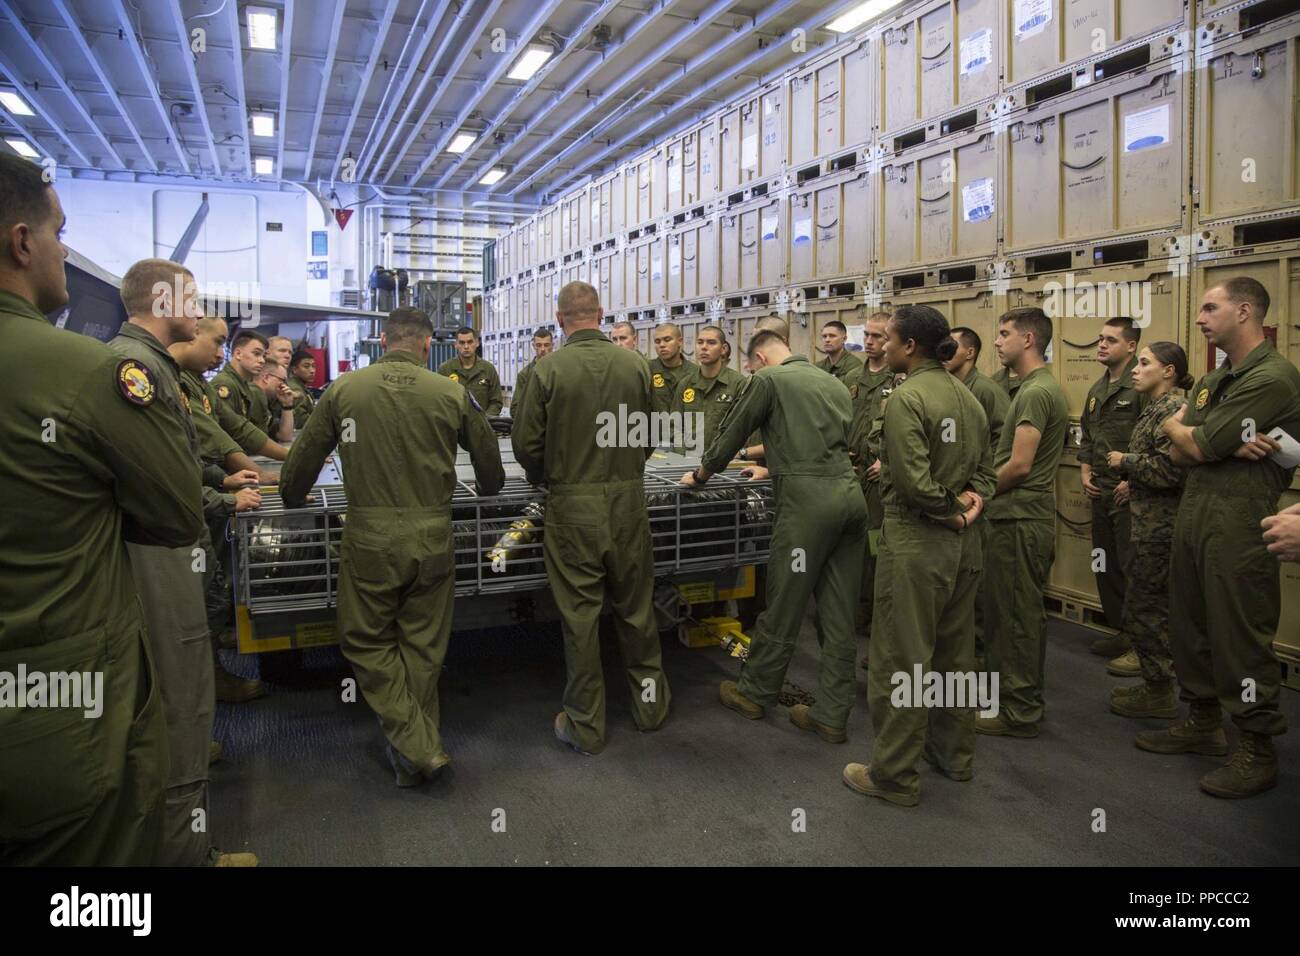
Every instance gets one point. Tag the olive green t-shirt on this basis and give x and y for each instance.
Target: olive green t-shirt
(1040, 402)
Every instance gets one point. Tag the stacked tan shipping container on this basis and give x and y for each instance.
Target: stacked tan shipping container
(1101, 156)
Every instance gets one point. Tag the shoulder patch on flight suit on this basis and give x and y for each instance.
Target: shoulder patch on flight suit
(207, 405)
(136, 383)
(688, 396)
(454, 377)
(658, 380)
(223, 391)
(185, 399)
(853, 390)
(1202, 398)
(1092, 404)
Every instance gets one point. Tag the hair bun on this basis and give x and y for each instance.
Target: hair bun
(945, 350)
(1186, 381)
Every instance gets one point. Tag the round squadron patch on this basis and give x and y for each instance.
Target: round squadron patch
(853, 391)
(454, 377)
(1092, 404)
(136, 383)
(1203, 398)
(223, 391)
(658, 380)
(185, 400)
(688, 396)
(207, 405)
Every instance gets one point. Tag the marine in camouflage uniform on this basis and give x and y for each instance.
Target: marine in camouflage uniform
(1156, 484)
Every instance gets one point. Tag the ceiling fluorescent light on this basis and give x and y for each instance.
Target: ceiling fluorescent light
(15, 104)
(849, 21)
(261, 27)
(23, 148)
(494, 176)
(263, 124)
(264, 165)
(462, 142)
(534, 55)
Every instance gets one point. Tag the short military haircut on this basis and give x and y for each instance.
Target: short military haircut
(762, 339)
(1245, 289)
(837, 325)
(24, 193)
(672, 327)
(926, 327)
(300, 356)
(884, 315)
(543, 333)
(1128, 330)
(407, 328)
(137, 291)
(773, 323)
(722, 335)
(969, 339)
(244, 336)
(463, 330)
(209, 323)
(281, 338)
(578, 299)
(274, 370)
(1031, 320)
(624, 324)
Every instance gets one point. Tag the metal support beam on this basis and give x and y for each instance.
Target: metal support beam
(814, 22)
(489, 83)
(527, 89)
(200, 107)
(191, 232)
(237, 50)
(11, 75)
(339, 7)
(110, 89)
(286, 68)
(35, 49)
(448, 77)
(381, 37)
(128, 30)
(379, 123)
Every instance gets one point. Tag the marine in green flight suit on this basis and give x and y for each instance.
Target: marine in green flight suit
(1224, 586)
(994, 399)
(543, 345)
(668, 367)
(476, 374)
(89, 459)
(243, 398)
(172, 581)
(936, 471)
(839, 361)
(596, 540)
(1022, 525)
(397, 426)
(302, 369)
(1106, 424)
(709, 389)
(818, 537)
(868, 394)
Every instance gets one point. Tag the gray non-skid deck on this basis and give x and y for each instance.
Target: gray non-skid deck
(305, 780)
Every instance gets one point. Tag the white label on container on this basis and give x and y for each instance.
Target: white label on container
(657, 267)
(1031, 17)
(803, 230)
(769, 225)
(977, 200)
(1146, 129)
(675, 260)
(749, 152)
(976, 51)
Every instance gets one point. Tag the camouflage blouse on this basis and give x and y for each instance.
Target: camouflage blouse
(1156, 482)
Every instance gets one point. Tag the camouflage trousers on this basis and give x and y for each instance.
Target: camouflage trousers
(1146, 608)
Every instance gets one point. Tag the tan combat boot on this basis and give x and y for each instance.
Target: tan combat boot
(1200, 733)
(1126, 665)
(801, 717)
(1252, 769)
(1145, 700)
(857, 777)
(232, 689)
(731, 697)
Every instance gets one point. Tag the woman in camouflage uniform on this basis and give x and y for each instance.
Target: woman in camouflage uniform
(1156, 485)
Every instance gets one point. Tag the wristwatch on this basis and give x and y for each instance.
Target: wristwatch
(743, 454)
